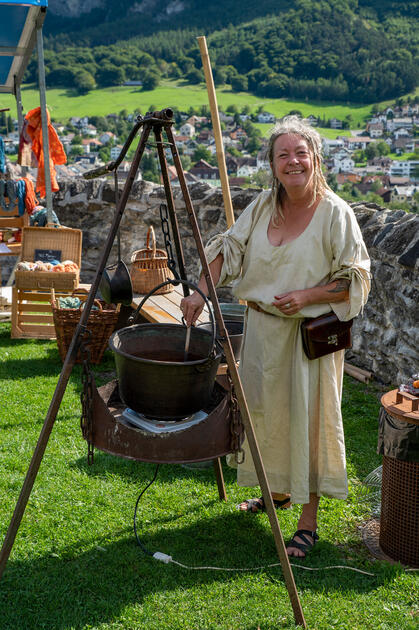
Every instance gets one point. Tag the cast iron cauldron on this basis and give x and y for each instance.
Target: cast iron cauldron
(154, 378)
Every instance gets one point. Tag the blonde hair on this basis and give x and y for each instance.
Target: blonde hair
(294, 125)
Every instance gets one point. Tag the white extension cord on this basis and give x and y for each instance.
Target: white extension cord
(163, 557)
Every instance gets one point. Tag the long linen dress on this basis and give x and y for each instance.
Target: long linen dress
(294, 402)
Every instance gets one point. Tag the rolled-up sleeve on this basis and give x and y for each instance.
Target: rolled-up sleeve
(232, 243)
(351, 261)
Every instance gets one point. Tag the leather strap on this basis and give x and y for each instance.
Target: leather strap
(256, 307)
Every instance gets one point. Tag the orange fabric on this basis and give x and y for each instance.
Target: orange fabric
(30, 200)
(56, 149)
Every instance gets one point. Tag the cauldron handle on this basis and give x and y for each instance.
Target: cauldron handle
(133, 318)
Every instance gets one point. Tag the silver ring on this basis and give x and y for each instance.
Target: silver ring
(288, 304)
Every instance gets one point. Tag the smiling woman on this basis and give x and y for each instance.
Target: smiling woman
(295, 252)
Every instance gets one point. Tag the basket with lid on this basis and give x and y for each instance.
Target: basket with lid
(149, 267)
(45, 244)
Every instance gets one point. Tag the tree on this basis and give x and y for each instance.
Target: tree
(194, 76)
(201, 153)
(84, 82)
(239, 83)
(261, 179)
(150, 80)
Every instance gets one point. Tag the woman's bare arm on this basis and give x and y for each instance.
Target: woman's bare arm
(292, 302)
(193, 305)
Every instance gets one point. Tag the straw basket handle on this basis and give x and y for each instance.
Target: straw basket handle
(153, 240)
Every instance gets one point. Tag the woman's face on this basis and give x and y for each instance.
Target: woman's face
(293, 163)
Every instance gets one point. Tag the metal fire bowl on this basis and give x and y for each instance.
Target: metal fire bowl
(112, 434)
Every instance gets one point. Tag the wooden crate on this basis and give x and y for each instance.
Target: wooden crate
(13, 220)
(32, 313)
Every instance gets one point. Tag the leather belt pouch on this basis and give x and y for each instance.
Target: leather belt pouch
(325, 334)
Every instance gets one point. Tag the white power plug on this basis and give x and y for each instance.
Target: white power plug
(163, 557)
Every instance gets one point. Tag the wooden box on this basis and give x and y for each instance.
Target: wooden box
(42, 243)
(32, 313)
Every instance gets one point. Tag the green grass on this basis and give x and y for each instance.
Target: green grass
(64, 104)
(75, 564)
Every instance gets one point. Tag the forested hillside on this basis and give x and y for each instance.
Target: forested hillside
(341, 50)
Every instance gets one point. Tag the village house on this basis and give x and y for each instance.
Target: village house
(197, 121)
(115, 151)
(205, 172)
(123, 172)
(376, 129)
(343, 178)
(312, 120)
(403, 193)
(181, 141)
(266, 117)
(238, 134)
(354, 143)
(403, 145)
(187, 130)
(404, 168)
(335, 123)
(329, 145)
(247, 167)
(106, 137)
(401, 132)
(399, 123)
(262, 161)
(342, 162)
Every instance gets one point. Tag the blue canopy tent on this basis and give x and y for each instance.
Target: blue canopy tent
(20, 32)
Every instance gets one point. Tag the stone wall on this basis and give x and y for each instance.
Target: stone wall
(385, 336)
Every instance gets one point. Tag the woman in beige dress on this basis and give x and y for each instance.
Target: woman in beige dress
(296, 251)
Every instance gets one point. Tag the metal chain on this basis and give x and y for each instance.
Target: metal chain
(86, 396)
(236, 425)
(164, 217)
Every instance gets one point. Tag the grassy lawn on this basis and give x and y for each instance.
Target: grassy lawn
(75, 564)
(64, 104)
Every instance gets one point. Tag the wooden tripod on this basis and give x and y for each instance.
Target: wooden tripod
(156, 121)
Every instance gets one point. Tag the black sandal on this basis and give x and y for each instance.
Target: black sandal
(258, 505)
(306, 546)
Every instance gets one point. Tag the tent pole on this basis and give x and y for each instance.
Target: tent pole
(19, 108)
(44, 120)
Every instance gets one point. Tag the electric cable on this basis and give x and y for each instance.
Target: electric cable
(144, 549)
(166, 559)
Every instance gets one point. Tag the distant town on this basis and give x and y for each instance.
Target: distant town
(378, 163)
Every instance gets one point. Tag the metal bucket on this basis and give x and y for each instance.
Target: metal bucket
(235, 333)
(153, 377)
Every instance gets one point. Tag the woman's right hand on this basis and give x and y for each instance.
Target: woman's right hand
(191, 307)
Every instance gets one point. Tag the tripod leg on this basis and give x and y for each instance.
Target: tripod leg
(171, 207)
(68, 366)
(218, 470)
(247, 422)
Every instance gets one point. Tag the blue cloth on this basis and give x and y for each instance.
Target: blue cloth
(40, 218)
(21, 192)
(2, 157)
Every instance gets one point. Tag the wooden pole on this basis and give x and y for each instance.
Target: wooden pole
(228, 206)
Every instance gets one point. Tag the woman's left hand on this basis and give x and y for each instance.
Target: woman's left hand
(292, 302)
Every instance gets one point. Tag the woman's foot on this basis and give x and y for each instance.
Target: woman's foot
(302, 543)
(258, 505)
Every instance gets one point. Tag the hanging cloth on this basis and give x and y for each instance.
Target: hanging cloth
(2, 157)
(33, 131)
(15, 192)
(30, 198)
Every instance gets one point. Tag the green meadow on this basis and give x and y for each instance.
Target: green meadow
(65, 103)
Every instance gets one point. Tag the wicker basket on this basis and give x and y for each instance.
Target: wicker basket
(66, 241)
(101, 324)
(149, 268)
